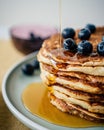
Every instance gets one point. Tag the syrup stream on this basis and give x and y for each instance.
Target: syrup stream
(60, 20)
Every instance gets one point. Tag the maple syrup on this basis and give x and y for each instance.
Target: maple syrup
(35, 99)
(60, 21)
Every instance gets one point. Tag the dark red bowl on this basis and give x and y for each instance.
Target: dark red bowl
(29, 38)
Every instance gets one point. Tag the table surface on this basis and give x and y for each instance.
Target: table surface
(8, 57)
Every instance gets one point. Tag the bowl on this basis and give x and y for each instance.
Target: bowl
(29, 38)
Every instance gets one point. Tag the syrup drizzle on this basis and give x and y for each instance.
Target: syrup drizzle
(60, 20)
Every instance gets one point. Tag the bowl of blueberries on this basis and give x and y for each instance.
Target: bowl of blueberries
(29, 38)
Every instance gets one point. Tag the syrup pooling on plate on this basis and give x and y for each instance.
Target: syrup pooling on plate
(35, 99)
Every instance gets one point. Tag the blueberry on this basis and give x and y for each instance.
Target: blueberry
(91, 27)
(28, 69)
(85, 47)
(68, 33)
(35, 64)
(103, 38)
(32, 37)
(100, 48)
(84, 34)
(69, 44)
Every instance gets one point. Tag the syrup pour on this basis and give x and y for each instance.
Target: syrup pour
(60, 20)
(59, 40)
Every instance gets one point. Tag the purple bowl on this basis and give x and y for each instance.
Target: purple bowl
(29, 38)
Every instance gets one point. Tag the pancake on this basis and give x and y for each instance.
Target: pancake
(72, 83)
(95, 107)
(75, 82)
(77, 94)
(79, 75)
(86, 68)
(76, 110)
(53, 53)
(51, 48)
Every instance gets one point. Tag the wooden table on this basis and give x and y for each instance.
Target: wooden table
(8, 57)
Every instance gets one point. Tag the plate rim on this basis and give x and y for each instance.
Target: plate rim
(8, 103)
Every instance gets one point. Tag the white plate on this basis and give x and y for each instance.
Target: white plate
(13, 84)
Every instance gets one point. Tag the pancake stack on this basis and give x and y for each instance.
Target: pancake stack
(75, 82)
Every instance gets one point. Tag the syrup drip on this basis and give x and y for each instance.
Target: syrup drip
(60, 20)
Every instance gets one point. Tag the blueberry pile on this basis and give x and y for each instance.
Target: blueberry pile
(84, 47)
(29, 68)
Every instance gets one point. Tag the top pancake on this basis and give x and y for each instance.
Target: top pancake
(53, 53)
